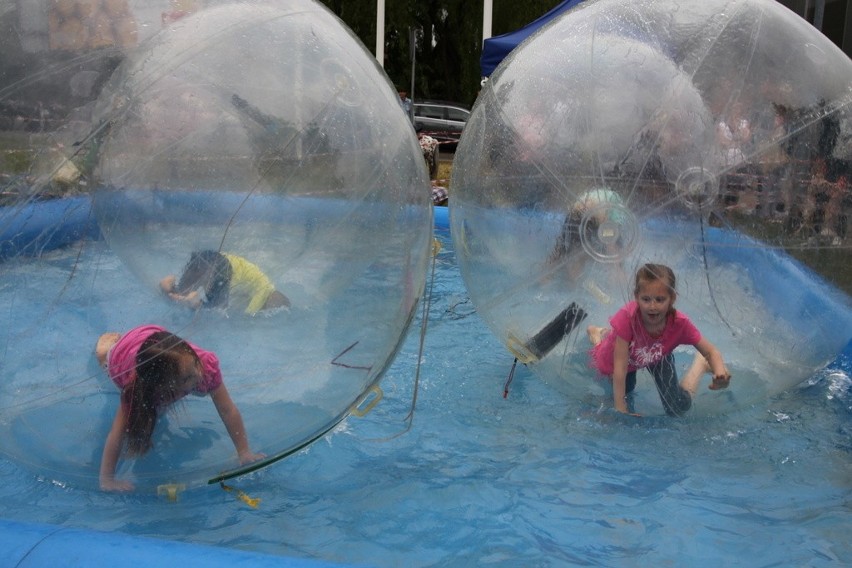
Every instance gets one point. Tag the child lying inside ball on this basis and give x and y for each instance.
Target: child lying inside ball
(217, 280)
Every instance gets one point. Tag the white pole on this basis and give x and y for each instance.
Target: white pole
(380, 32)
(412, 48)
(819, 12)
(487, 10)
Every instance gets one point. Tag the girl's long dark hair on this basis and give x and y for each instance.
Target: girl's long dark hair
(210, 270)
(157, 368)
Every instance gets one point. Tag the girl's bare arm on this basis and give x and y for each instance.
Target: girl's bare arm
(233, 420)
(109, 458)
(619, 375)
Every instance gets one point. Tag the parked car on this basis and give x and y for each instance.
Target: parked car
(441, 120)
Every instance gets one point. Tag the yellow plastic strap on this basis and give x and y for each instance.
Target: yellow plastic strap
(596, 291)
(360, 410)
(436, 247)
(250, 501)
(170, 490)
(519, 350)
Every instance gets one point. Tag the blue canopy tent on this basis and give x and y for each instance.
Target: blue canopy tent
(496, 48)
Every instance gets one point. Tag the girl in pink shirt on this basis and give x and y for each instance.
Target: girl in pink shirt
(644, 334)
(153, 369)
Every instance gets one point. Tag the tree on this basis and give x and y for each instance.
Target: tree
(448, 39)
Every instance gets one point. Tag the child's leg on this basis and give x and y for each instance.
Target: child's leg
(276, 300)
(105, 342)
(629, 387)
(693, 376)
(675, 399)
(630, 382)
(596, 334)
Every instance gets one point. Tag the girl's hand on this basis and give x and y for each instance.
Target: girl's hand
(624, 410)
(116, 485)
(249, 456)
(192, 299)
(720, 381)
(167, 284)
(169, 287)
(628, 413)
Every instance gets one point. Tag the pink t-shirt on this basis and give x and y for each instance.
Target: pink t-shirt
(121, 361)
(644, 349)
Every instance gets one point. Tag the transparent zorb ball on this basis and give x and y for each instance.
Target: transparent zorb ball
(711, 137)
(262, 132)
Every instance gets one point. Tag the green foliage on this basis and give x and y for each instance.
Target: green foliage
(447, 36)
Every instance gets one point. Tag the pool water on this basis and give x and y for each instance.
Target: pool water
(535, 479)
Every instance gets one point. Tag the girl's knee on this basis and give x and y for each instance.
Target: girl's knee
(680, 405)
(676, 400)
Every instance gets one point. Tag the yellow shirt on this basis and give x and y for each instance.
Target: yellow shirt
(248, 283)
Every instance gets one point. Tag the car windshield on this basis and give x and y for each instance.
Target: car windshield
(430, 111)
(456, 114)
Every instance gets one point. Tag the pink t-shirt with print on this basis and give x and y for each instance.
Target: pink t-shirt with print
(121, 361)
(644, 349)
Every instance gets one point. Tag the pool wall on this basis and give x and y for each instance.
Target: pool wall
(45, 225)
(31, 545)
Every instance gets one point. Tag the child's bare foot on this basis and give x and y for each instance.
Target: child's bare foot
(167, 284)
(105, 341)
(276, 300)
(595, 334)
